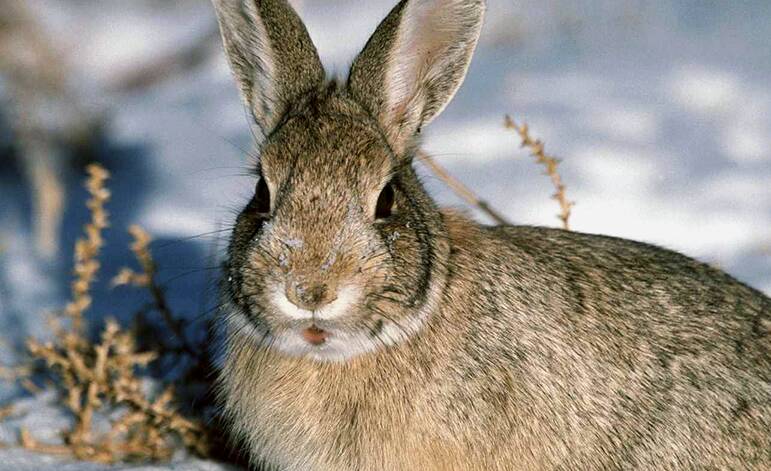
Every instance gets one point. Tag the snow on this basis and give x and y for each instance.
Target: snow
(661, 112)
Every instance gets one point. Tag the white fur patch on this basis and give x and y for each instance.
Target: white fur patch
(347, 297)
(339, 346)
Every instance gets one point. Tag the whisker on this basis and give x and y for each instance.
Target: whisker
(187, 273)
(187, 239)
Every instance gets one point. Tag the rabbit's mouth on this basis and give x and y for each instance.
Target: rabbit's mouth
(319, 340)
(314, 335)
(322, 343)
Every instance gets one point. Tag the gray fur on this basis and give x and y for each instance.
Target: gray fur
(540, 349)
(271, 54)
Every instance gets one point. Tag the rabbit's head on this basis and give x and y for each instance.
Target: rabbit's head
(340, 251)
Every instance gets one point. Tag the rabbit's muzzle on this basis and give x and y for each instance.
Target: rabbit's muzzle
(319, 302)
(311, 296)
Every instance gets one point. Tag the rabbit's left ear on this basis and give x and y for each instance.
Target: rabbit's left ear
(414, 63)
(271, 54)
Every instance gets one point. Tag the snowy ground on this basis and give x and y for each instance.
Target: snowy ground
(661, 112)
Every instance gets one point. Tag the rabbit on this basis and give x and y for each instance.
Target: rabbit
(368, 329)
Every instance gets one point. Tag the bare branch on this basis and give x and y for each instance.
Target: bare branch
(461, 189)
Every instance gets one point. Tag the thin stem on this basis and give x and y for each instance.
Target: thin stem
(536, 148)
(461, 189)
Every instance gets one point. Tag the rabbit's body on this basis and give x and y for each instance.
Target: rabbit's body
(368, 330)
(649, 360)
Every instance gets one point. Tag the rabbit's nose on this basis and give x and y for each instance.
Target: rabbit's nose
(310, 296)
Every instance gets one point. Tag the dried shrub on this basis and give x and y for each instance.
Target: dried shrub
(147, 279)
(102, 377)
(103, 381)
(87, 248)
(6, 411)
(536, 148)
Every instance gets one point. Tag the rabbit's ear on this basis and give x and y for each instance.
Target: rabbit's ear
(415, 62)
(271, 54)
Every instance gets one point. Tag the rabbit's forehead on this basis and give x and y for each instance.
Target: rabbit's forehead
(327, 154)
(325, 174)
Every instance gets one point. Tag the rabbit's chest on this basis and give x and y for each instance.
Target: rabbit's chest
(306, 421)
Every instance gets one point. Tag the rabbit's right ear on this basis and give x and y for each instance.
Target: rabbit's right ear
(271, 54)
(415, 62)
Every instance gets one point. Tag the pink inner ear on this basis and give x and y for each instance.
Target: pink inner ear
(426, 34)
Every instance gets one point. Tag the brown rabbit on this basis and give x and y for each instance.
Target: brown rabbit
(370, 330)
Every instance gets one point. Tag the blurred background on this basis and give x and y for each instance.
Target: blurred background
(661, 112)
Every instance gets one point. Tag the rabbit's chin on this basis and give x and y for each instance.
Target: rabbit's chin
(340, 346)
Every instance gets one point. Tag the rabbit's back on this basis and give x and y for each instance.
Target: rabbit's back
(619, 287)
(617, 353)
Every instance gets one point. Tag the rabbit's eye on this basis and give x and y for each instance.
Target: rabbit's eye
(261, 201)
(385, 203)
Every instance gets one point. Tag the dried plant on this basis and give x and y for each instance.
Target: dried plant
(87, 248)
(6, 411)
(461, 189)
(48, 194)
(43, 113)
(102, 377)
(182, 59)
(536, 148)
(53, 125)
(551, 165)
(147, 279)
(100, 381)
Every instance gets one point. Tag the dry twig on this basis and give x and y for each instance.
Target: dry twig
(536, 148)
(147, 279)
(102, 377)
(43, 110)
(87, 249)
(161, 68)
(460, 189)
(6, 411)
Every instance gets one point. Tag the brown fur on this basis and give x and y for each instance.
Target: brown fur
(472, 348)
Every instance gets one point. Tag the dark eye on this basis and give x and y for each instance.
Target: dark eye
(385, 203)
(261, 200)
